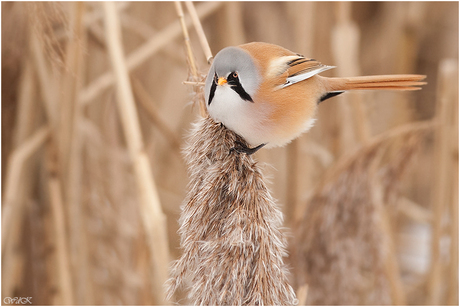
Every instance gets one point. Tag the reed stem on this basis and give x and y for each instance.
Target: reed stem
(190, 56)
(447, 98)
(64, 285)
(199, 31)
(13, 180)
(153, 218)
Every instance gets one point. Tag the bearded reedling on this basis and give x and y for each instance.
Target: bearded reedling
(269, 95)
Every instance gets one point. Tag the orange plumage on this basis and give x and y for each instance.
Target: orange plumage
(284, 89)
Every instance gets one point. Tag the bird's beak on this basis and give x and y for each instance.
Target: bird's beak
(221, 81)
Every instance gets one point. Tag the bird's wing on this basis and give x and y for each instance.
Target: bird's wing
(294, 69)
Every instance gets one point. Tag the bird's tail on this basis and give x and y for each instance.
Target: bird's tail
(382, 82)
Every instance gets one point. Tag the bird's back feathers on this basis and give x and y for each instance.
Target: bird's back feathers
(287, 68)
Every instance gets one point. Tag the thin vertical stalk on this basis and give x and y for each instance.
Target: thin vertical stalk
(13, 207)
(27, 109)
(345, 43)
(68, 84)
(199, 31)
(13, 179)
(452, 298)
(391, 262)
(64, 285)
(447, 98)
(70, 145)
(153, 217)
(190, 57)
(25, 121)
(50, 267)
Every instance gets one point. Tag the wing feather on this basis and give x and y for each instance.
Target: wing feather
(295, 69)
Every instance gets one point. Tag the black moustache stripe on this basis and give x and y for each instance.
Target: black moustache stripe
(213, 91)
(238, 88)
(235, 85)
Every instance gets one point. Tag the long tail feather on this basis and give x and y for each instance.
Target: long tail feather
(382, 82)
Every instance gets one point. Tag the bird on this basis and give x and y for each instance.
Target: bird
(269, 95)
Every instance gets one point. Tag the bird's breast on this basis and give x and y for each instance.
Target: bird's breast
(243, 117)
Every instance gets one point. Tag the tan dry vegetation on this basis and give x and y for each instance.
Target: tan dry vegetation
(233, 246)
(94, 113)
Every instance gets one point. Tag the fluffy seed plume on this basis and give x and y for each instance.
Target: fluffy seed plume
(232, 245)
(342, 247)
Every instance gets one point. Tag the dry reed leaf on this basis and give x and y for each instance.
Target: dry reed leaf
(340, 250)
(230, 227)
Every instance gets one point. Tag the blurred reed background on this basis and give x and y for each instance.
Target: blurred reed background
(92, 127)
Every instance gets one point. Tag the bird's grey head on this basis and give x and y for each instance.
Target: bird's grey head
(238, 68)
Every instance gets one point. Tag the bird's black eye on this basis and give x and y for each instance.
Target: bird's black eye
(232, 77)
(215, 77)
